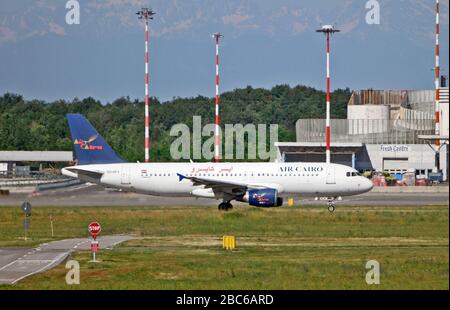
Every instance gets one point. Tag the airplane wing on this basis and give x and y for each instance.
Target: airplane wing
(227, 189)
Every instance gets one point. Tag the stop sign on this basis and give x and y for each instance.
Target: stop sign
(94, 228)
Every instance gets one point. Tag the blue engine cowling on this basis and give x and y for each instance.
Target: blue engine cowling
(264, 198)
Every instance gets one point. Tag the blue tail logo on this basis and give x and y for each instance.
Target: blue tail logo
(89, 145)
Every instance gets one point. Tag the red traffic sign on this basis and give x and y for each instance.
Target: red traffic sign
(94, 246)
(94, 228)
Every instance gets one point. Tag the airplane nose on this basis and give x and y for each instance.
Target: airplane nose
(367, 184)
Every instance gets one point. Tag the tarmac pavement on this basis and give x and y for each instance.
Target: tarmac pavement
(18, 263)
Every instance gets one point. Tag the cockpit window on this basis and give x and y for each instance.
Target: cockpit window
(353, 174)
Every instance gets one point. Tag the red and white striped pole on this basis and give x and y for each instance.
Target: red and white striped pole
(328, 116)
(437, 96)
(217, 36)
(146, 14)
(327, 30)
(147, 120)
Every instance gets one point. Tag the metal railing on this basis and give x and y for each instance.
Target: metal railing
(379, 97)
(369, 131)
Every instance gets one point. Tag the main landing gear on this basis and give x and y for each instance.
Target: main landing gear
(225, 206)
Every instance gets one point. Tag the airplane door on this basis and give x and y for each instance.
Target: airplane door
(331, 177)
(125, 175)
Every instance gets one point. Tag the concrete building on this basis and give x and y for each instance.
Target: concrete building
(383, 132)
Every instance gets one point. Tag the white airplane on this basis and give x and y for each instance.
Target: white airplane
(259, 184)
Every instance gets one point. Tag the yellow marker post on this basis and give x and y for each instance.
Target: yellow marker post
(290, 202)
(229, 242)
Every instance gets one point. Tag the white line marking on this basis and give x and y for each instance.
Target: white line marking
(37, 260)
(7, 265)
(43, 268)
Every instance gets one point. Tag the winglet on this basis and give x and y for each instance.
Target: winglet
(180, 177)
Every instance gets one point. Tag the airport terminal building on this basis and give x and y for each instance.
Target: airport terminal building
(384, 131)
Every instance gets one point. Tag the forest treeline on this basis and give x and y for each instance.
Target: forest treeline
(39, 125)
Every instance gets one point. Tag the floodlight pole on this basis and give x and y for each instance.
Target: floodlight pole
(217, 36)
(437, 142)
(327, 30)
(146, 14)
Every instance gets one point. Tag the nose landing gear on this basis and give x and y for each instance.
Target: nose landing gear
(330, 202)
(225, 206)
(331, 206)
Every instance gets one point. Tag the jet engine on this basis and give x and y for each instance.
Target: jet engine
(263, 198)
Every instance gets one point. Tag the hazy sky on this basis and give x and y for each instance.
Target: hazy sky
(266, 43)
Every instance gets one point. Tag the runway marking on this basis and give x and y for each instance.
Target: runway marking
(49, 263)
(37, 260)
(43, 268)
(7, 265)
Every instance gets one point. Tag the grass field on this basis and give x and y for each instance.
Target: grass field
(286, 248)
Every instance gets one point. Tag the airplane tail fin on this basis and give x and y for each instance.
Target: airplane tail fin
(89, 147)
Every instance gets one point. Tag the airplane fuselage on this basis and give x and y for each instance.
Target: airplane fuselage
(289, 179)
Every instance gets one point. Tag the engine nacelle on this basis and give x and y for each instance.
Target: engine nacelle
(263, 198)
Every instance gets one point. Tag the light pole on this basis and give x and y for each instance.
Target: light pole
(327, 30)
(437, 142)
(146, 14)
(217, 36)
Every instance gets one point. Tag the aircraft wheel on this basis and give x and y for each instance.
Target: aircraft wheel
(331, 208)
(223, 206)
